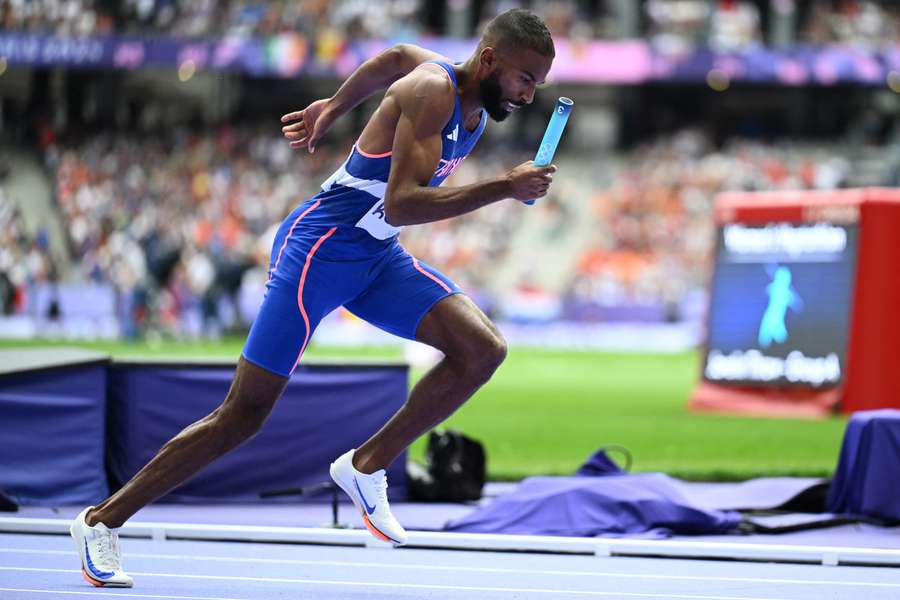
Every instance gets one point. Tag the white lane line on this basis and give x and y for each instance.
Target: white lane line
(497, 570)
(416, 586)
(108, 593)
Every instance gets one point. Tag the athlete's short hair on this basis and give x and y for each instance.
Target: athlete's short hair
(518, 28)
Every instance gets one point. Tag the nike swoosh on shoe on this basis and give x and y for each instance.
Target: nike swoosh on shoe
(369, 509)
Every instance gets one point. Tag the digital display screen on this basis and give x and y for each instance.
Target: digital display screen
(780, 304)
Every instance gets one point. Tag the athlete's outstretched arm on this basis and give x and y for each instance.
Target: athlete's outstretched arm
(306, 127)
(426, 102)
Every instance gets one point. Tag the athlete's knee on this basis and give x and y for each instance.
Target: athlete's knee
(238, 423)
(242, 415)
(250, 400)
(495, 350)
(484, 356)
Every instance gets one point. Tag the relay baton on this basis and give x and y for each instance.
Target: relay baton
(554, 131)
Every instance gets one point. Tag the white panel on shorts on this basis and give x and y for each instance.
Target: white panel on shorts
(375, 223)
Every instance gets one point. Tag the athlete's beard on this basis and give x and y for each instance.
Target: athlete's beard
(492, 96)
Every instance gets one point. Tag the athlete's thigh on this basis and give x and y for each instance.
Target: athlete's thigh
(456, 325)
(402, 294)
(301, 290)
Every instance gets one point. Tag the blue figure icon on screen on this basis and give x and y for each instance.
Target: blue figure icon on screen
(782, 296)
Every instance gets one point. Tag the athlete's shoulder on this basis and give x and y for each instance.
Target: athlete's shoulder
(411, 55)
(426, 90)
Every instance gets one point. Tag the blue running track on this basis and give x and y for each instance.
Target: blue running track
(37, 567)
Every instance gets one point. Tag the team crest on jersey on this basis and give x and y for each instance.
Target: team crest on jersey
(446, 167)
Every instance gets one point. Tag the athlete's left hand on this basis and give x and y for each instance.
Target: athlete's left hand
(306, 127)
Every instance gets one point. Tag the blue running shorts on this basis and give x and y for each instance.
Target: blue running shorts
(316, 267)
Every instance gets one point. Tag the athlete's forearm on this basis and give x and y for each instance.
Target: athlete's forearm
(421, 204)
(374, 75)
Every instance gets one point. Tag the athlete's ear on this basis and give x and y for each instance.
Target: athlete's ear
(487, 61)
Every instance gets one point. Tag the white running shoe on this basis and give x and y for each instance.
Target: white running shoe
(101, 558)
(369, 494)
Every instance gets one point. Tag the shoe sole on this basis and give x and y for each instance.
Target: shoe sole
(365, 516)
(79, 543)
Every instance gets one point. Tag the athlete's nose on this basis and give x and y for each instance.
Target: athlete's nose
(527, 98)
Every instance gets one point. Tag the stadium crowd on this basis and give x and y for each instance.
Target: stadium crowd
(671, 25)
(181, 223)
(24, 257)
(727, 25)
(211, 18)
(174, 221)
(864, 24)
(654, 223)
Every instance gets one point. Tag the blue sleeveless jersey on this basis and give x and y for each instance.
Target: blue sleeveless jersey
(353, 197)
(337, 249)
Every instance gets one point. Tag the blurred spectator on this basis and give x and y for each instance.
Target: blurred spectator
(60, 17)
(858, 22)
(24, 258)
(677, 26)
(564, 18)
(734, 25)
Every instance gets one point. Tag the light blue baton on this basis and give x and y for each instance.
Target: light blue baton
(554, 131)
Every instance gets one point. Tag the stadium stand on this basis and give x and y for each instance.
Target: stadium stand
(170, 210)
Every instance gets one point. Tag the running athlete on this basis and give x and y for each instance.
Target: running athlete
(340, 248)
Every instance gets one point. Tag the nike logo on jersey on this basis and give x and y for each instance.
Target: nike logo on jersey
(454, 135)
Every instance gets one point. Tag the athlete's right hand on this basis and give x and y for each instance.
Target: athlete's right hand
(528, 182)
(309, 125)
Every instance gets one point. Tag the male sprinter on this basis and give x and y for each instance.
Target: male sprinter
(340, 248)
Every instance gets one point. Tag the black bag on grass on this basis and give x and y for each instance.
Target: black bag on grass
(455, 469)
